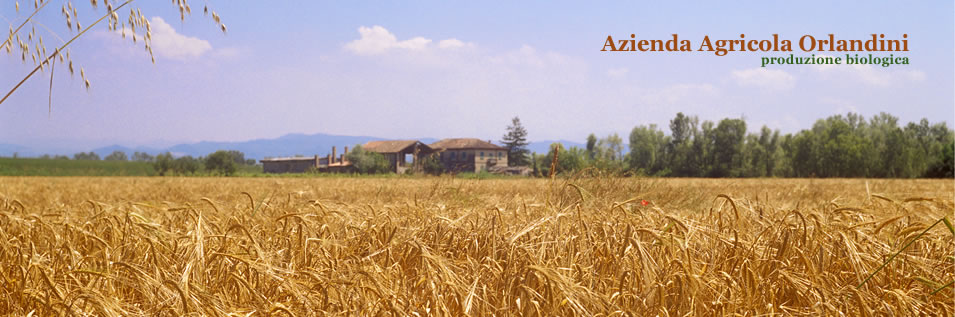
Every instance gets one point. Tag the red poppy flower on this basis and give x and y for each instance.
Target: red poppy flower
(644, 202)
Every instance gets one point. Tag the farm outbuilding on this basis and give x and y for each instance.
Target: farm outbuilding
(456, 155)
(469, 154)
(401, 154)
(301, 164)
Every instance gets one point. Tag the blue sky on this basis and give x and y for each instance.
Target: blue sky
(455, 69)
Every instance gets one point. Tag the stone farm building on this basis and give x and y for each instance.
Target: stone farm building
(457, 155)
(469, 155)
(302, 164)
(401, 154)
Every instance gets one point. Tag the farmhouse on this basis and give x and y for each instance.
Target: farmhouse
(301, 164)
(402, 154)
(469, 155)
(456, 155)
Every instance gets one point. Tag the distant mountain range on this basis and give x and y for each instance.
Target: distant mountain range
(286, 145)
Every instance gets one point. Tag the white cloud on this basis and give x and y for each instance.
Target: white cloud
(453, 44)
(617, 72)
(377, 40)
(169, 44)
(374, 40)
(526, 55)
(418, 43)
(227, 52)
(915, 75)
(678, 94)
(529, 56)
(773, 79)
(869, 74)
(841, 105)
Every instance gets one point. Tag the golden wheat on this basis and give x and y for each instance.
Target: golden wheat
(443, 246)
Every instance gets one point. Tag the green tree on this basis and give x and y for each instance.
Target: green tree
(759, 153)
(116, 156)
(221, 162)
(611, 148)
(431, 164)
(890, 146)
(727, 151)
(783, 165)
(648, 151)
(516, 143)
(802, 154)
(591, 146)
(91, 156)
(163, 164)
(606, 154)
(681, 128)
(186, 165)
(944, 166)
(705, 149)
(238, 157)
(769, 144)
(850, 146)
(568, 160)
(840, 149)
(684, 136)
(367, 162)
(142, 157)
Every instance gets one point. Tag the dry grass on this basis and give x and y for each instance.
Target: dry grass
(167, 246)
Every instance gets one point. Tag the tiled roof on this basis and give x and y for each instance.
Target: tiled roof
(464, 143)
(285, 159)
(392, 146)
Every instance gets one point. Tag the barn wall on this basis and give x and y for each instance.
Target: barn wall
(291, 166)
(473, 162)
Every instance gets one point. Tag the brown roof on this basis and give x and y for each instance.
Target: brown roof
(392, 146)
(464, 143)
(286, 159)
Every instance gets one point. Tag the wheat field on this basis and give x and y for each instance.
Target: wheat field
(595, 246)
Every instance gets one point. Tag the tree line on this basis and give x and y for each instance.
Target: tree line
(221, 162)
(837, 146)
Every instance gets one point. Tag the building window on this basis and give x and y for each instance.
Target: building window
(454, 155)
(482, 155)
(500, 154)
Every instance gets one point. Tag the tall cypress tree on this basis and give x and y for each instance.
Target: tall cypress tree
(591, 146)
(516, 143)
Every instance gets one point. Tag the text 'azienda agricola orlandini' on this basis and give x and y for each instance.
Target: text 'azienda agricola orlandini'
(806, 43)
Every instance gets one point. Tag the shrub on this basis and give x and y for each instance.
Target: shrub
(366, 162)
(221, 162)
